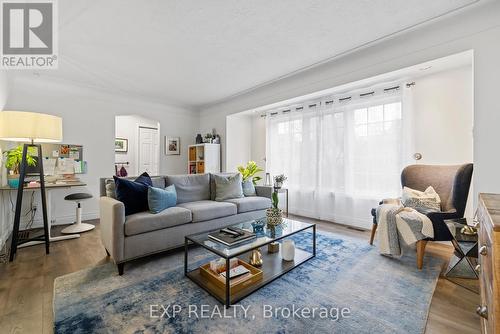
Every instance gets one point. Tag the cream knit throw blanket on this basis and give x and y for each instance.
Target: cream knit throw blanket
(396, 223)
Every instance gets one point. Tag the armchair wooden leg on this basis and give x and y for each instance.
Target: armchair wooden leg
(374, 229)
(420, 253)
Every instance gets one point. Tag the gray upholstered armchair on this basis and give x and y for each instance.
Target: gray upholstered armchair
(452, 183)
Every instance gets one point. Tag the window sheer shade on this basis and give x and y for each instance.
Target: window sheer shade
(341, 157)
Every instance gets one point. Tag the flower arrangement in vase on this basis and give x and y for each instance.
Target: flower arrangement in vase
(248, 172)
(279, 180)
(274, 214)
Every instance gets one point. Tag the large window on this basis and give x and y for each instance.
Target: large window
(338, 156)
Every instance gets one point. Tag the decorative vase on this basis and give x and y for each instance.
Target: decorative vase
(288, 250)
(13, 180)
(258, 226)
(256, 258)
(268, 180)
(278, 185)
(248, 187)
(274, 217)
(199, 139)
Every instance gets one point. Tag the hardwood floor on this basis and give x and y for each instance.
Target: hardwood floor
(26, 285)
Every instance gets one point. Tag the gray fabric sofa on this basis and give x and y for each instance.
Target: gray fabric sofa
(130, 237)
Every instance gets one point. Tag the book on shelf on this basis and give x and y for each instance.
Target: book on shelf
(231, 236)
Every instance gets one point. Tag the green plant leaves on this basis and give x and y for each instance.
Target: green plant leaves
(15, 155)
(249, 171)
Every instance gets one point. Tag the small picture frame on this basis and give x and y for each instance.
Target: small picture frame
(172, 145)
(121, 145)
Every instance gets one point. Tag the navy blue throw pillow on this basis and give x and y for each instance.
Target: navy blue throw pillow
(145, 179)
(133, 194)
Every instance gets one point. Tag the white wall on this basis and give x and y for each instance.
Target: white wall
(477, 29)
(89, 119)
(258, 141)
(443, 106)
(239, 141)
(128, 127)
(3, 89)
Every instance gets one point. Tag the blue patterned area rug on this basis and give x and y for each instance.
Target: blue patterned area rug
(347, 288)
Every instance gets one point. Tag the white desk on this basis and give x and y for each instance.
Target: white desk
(49, 187)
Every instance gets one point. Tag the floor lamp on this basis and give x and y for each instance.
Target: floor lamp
(33, 129)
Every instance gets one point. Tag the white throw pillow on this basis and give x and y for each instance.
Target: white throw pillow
(427, 200)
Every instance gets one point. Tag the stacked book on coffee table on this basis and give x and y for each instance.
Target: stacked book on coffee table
(231, 236)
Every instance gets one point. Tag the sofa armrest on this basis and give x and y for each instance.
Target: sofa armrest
(112, 216)
(264, 191)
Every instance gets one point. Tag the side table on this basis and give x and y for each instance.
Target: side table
(464, 260)
(283, 190)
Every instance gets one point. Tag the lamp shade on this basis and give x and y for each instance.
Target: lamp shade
(30, 126)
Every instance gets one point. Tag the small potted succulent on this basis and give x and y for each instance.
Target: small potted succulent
(274, 214)
(279, 180)
(13, 159)
(208, 138)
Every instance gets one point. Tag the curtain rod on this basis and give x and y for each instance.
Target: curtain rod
(343, 99)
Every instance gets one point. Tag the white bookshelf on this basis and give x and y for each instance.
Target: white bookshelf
(204, 158)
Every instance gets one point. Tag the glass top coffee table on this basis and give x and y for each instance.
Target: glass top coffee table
(273, 266)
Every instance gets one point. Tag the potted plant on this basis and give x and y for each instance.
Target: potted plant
(13, 159)
(208, 138)
(279, 180)
(274, 214)
(249, 180)
(248, 172)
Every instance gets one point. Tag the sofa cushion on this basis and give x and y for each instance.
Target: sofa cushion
(109, 184)
(110, 189)
(158, 182)
(212, 183)
(253, 203)
(190, 188)
(422, 201)
(227, 187)
(133, 195)
(143, 222)
(207, 210)
(161, 199)
(144, 178)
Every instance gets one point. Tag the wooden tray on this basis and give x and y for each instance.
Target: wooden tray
(219, 282)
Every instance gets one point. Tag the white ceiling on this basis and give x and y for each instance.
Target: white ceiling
(195, 53)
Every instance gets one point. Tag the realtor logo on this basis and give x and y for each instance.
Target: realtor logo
(28, 35)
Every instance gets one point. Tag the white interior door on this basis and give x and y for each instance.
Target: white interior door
(149, 150)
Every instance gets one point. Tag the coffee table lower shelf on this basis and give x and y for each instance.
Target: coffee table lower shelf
(272, 268)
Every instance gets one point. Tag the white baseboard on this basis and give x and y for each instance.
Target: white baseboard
(365, 224)
(66, 219)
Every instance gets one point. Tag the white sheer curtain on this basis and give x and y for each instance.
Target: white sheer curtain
(341, 157)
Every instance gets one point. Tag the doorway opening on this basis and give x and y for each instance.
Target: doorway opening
(137, 145)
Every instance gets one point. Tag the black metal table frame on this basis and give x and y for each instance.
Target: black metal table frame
(227, 302)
